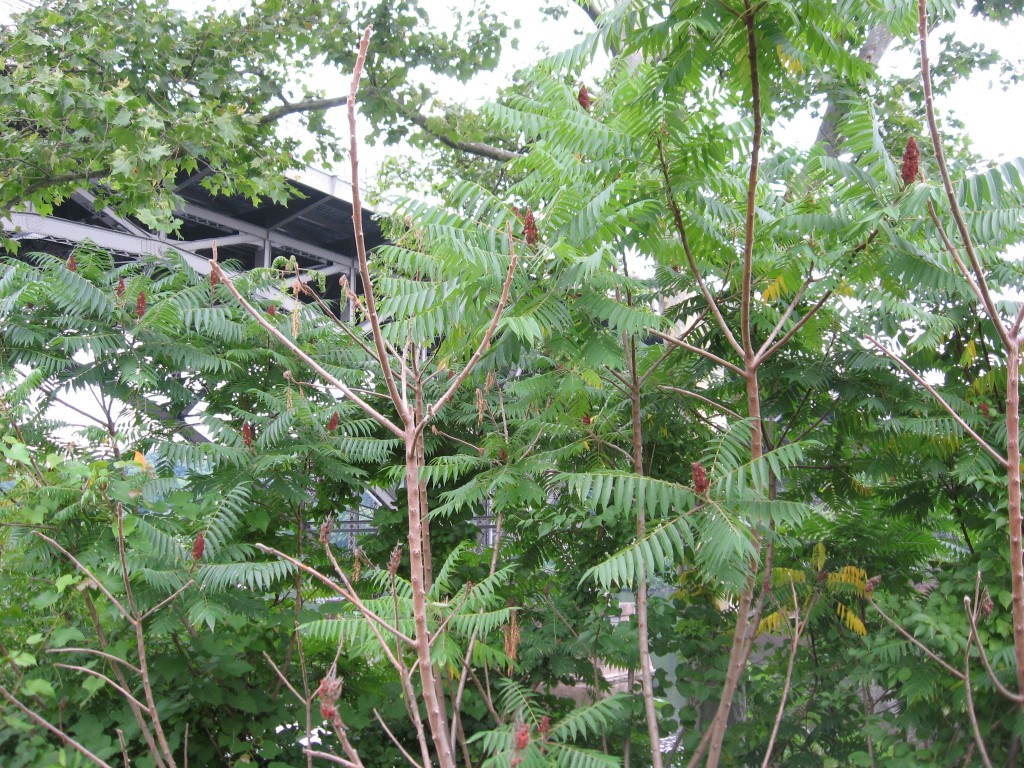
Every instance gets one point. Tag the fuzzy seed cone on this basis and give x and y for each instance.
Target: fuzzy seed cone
(326, 530)
(700, 477)
(247, 434)
(584, 98)
(522, 737)
(272, 310)
(333, 423)
(120, 288)
(72, 264)
(198, 547)
(140, 304)
(395, 561)
(911, 161)
(530, 228)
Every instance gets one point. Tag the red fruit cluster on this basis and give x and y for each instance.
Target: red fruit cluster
(584, 98)
(530, 228)
(587, 421)
(333, 423)
(911, 161)
(198, 547)
(72, 264)
(214, 278)
(871, 583)
(272, 310)
(140, 304)
(544, 727)
(700, 477)
(329, 693)
(247, 434)
(120, 288)
(984, 409)
(522, 738)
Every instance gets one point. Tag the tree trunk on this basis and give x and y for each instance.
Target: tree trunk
(436, 715)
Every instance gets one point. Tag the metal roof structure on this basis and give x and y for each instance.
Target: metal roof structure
(315, 226)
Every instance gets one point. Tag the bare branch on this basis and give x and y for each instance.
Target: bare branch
(348, 595)
(101, 654)
(123, 691)
(968, 692)
(925, 649)
(117, 603)
(284, 680)
(166, 600)
(703, 352)
(330, 758)
(308, 105)
(360, 241)
(485, 342)
(947, 183)
(370, 411)
(472, 147)
(40, 720)
(708, 400)
(677, 218)
(395, 741)
(941, 401)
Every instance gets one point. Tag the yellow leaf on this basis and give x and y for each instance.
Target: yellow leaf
(792, 64)
(770, 623)
(774, 289)
(782, 576)
(970, 353)
(819, 556)
(851, 620)
(844, 289)
(851, 575)
(139, 459)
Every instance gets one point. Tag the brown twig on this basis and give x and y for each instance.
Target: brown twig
(968, 692)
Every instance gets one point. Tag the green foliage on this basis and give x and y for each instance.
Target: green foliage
(577, 421)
